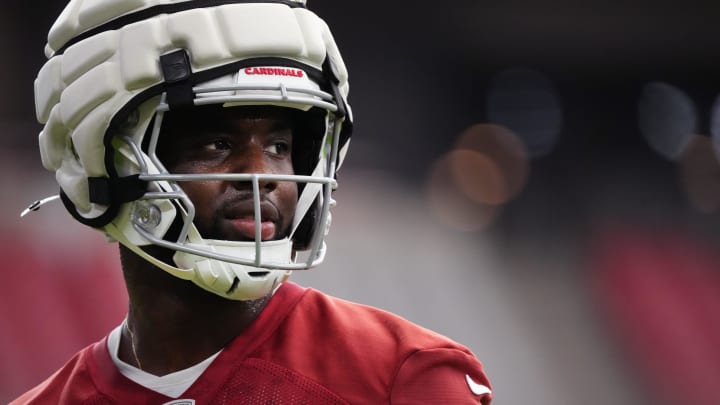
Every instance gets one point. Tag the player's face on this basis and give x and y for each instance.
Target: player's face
(233, 140)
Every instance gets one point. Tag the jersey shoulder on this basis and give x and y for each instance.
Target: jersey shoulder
(366, 325)
(428, 367)
(380, 352)
(441, 376)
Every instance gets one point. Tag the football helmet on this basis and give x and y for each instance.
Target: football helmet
(116, 67)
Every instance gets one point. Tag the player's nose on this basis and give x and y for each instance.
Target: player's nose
(253, 160)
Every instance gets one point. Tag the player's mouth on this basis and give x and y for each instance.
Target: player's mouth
(241, 217)
(246, 228)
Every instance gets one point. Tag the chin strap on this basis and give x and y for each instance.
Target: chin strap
(228, 280)
(113, 232)
(237, 281)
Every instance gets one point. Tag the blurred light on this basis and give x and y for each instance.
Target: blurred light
(715, 124)
(478, 177)
(700, 175)
(527, 103)
(667, 118)
(494, 166)
(449, 204)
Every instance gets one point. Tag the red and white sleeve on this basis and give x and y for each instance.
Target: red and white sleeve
(441, 376)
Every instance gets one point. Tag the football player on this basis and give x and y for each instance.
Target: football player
(204, 136)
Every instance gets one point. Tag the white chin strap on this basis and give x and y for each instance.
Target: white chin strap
(237, 281)
(228, 280)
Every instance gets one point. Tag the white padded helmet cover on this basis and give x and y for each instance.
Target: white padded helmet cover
(79, 90)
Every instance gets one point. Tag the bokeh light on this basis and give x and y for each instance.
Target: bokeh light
(478, 177)
(526, 102)
(667, 118)
(491, 164)
(449, 204)
(467, 186)
(715, 125)
(699, 172)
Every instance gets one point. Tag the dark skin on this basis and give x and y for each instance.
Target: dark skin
(175, 323)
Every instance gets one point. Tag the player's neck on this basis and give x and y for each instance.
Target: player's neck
(174, 323)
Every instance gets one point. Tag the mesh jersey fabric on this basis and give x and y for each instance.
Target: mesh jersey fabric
(304, 348)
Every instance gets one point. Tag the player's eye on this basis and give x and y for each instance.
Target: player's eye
(217, 144)
(278, 148)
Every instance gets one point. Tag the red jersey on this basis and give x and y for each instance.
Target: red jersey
(304, 348)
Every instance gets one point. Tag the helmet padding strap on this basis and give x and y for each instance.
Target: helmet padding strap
(177, 74)
(110, 190)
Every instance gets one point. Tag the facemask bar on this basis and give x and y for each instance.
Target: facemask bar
(316, 98)
(327, 190)
(327, 182)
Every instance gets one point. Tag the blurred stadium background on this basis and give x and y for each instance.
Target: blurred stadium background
(535, 179)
